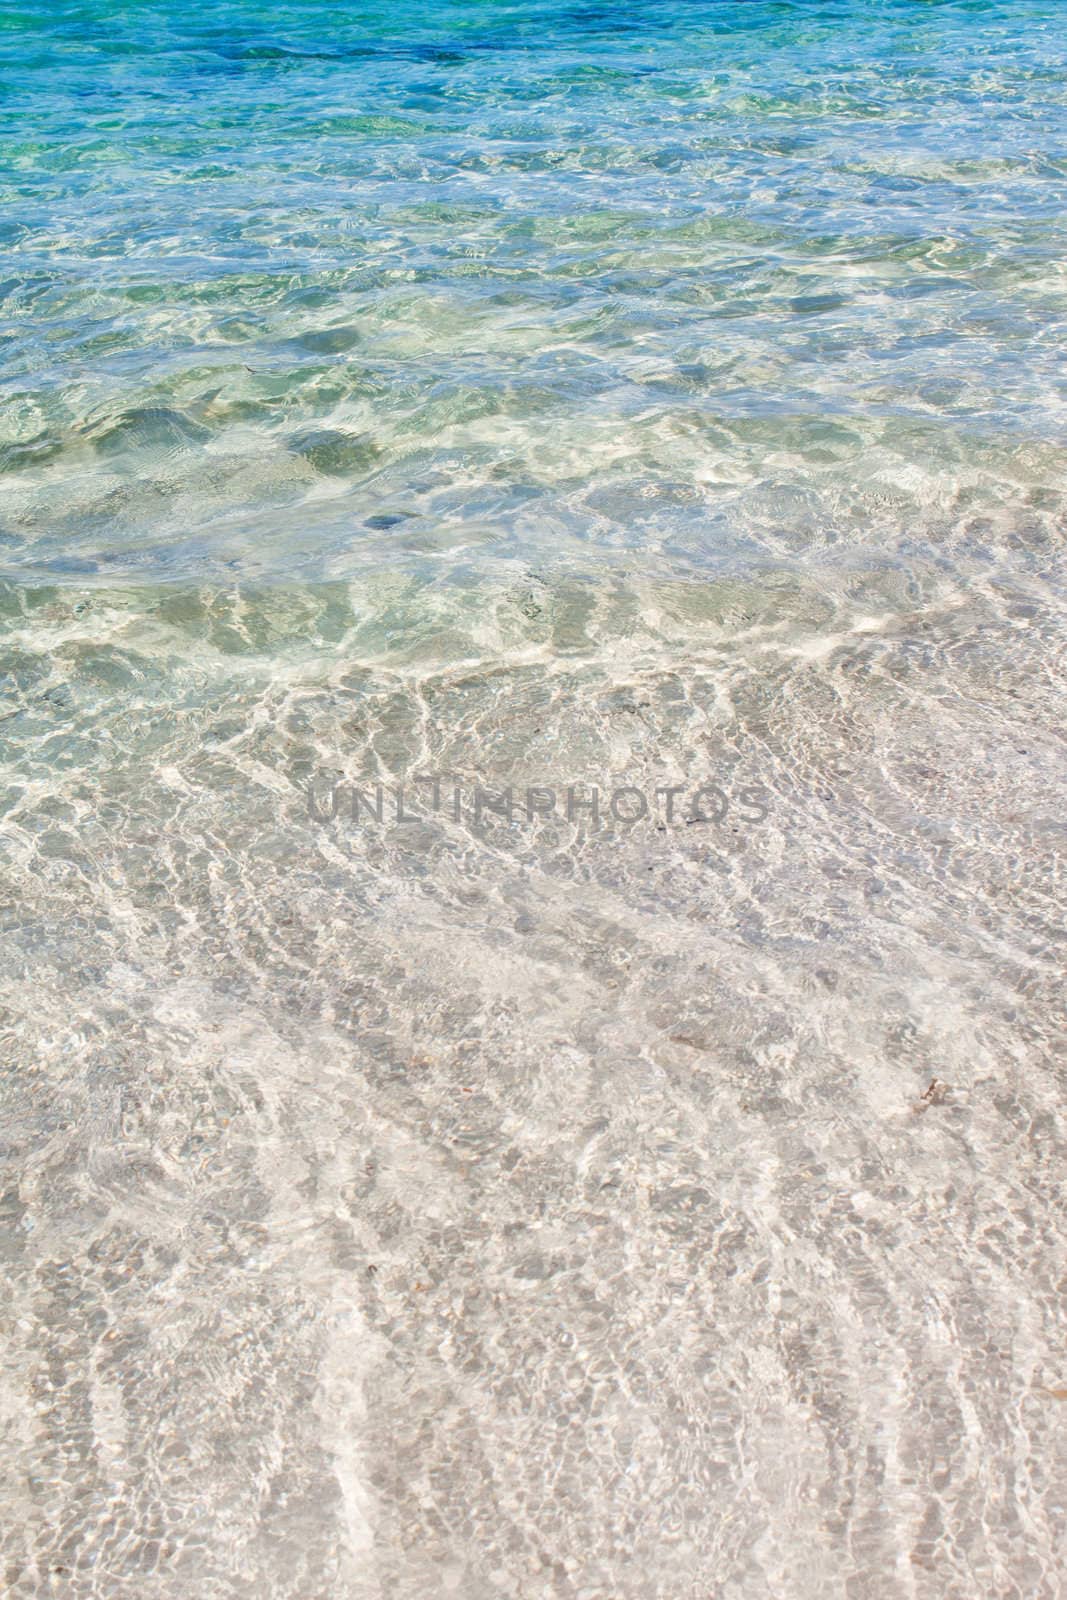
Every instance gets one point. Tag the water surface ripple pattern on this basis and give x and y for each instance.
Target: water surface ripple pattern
(577, 1205)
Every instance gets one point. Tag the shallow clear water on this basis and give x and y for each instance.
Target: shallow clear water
(538, 397)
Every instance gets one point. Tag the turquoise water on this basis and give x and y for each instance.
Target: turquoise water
(677, 291)
(608, 1205)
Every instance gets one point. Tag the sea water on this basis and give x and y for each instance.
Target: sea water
(531, 781)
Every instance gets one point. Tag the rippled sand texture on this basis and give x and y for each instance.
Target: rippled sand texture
(651, 1211)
